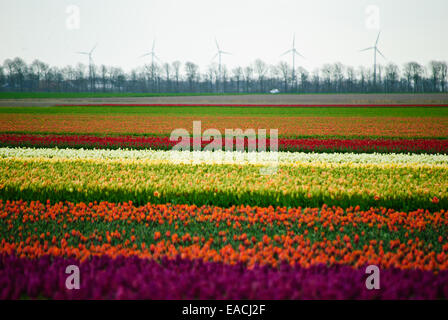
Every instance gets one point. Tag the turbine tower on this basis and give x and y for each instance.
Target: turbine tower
(375, 50)
(294, 52)
(89, 54)
(219, 54)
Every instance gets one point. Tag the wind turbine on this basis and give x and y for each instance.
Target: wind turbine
(151, 53)
(294, 52)
(89, 54)
(375, 50)
(219, 54)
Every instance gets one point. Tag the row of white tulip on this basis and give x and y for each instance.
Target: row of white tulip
(226, 157)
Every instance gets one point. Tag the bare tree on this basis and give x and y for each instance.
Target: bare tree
(407, 71)
(16, 75)
(327, 71)
(273, 78)
(224, 76)
(38, 68)
(237, 75)
(351, 78)
(3, 83)
(68, 75)
(248, 72)
(392, 75)
(363, 78)
(103, 71)
(133, 80)
(413, 71)
(303, 76)
(17, 69)
(153, 71)
(93, 71)
(285, 71)
(9, 69)
(337, 71)
(443, 75)
(260, 68)
(316, 80)
(117, 78)
(435, 67)
(176, 68)
(58, 78)
(191, 71)
(380, 77)
(211, 76)
(167, 71)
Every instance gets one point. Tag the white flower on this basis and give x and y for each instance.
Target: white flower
(224, 157)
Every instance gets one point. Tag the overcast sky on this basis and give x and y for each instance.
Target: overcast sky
(326, 30)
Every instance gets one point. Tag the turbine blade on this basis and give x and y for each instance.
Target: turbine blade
(217, 46)
(377, 38)
(298, 53)
(215, 56)
(378, 50)
(225, 52)
(144, 55)
(286, 52)
(94, 48)
(82, 53)
(369, 48)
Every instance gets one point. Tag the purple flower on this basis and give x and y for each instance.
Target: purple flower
(134, 278)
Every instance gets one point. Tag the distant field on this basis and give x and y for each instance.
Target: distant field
(427, 122)
(353, 121)
(53, 99)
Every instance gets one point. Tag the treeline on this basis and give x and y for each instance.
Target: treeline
(259, 77)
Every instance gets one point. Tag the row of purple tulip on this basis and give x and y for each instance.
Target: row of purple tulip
(134, 278)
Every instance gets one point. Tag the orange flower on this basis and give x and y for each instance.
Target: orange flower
(295, 242)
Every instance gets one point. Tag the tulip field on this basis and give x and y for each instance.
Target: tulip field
(100, 187)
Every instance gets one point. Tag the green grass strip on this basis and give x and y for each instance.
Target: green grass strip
(235, 111)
